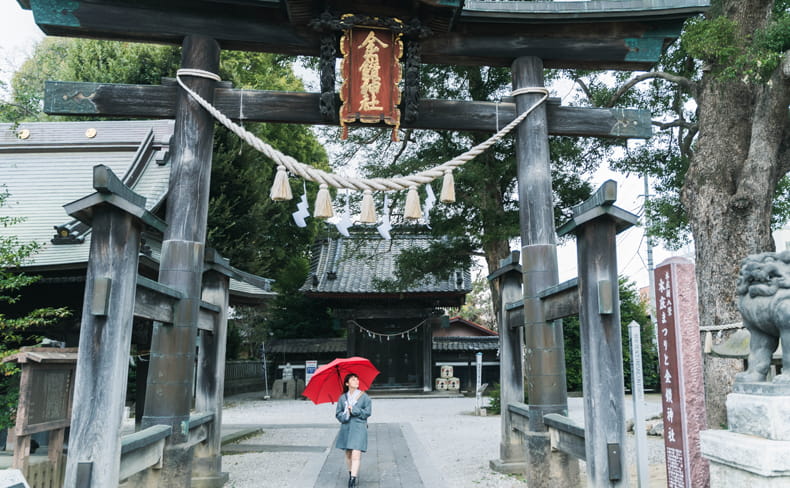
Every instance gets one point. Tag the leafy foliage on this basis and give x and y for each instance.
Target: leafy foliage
(478, 307)
(631, 309)
(485, 217)
(733, 56)
(293, 315)
(244, 225)
(16, 332)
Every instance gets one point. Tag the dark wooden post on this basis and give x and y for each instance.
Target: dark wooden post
(207, 466)
(169, 391)
(427, 357)
(511, 368)
(352, 348)
(106, 329)
(596, 224)
(545, 357)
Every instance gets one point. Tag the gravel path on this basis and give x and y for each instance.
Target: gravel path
(453, 440)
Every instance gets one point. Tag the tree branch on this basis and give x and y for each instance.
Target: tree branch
(19, 106)
(404, 143)
(584, 87)
(675, 123)
(680, 80)
(685, 143)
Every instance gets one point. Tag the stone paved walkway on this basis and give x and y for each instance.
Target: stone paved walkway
(388, 463)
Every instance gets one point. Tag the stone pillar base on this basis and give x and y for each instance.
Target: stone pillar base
(508, 467)
(760, 409)
(217, 480)
(739, 460)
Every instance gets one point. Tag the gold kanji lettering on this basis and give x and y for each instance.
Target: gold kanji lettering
(370, 73)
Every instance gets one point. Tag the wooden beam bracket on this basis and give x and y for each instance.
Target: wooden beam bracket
(566, 435)
(143, 450)
(599, 205)
(100, 301)
(561, 300)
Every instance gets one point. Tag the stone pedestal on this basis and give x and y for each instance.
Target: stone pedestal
(287, 389)
(756, 449)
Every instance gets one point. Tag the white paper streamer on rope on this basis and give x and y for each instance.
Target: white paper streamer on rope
(379, 184)
(344, 222)
(430, 200)
(404, 334)
(302, 207)
(385, 227)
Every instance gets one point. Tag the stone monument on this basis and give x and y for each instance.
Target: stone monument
(755, 450)
(288, 387)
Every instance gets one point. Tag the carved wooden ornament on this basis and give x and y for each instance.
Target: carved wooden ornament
(371, 72)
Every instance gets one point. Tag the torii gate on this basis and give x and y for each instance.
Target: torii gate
(528, 36)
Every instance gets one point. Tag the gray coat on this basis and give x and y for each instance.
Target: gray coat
(354, 430)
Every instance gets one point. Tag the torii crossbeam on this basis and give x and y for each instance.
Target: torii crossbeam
(527, 36)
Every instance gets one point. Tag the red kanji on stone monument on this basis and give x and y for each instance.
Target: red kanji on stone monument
(371, 72)
(680, 368)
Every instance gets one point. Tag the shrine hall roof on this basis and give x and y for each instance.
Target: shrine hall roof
(45, 165)
(602, 34)
(358, 265)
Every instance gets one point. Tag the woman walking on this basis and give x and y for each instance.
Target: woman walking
(353, 410)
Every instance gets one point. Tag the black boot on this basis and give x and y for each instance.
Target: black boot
(352, 482)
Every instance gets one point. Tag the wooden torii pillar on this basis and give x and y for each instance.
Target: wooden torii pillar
(106, 329)
(596, 223)
(622, 44)
(168, 386)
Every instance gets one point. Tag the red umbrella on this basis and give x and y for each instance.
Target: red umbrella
(326, 384)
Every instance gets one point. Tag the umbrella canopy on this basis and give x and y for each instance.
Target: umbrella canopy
(326, 384)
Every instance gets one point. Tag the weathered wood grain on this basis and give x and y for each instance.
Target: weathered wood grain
(158, 101)
(511, 365)
(602, 352)
(104, 349)
(631, 38)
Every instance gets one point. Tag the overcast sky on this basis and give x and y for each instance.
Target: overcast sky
(19, 33)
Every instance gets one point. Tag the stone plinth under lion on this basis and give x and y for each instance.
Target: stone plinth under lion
(755, 450)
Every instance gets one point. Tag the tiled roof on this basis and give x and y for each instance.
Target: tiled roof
(490, 343)
(45, 165)
(473, 325)
(351, 265)
(53, 166)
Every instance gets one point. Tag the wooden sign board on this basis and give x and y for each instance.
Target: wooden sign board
(45, 389)
(371, 72)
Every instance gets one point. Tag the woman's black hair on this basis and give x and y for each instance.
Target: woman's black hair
(345, 381)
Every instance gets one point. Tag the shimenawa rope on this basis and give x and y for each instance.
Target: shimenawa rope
(378, 184)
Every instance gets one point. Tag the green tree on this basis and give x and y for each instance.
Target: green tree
(478, 305)
(632, 308)
(17, 331)
(720, 153)
(244, 225)
(485, 218)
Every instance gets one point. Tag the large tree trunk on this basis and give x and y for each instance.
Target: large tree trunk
(729, 190)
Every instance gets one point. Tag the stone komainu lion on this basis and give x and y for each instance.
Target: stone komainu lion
(764, 302)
